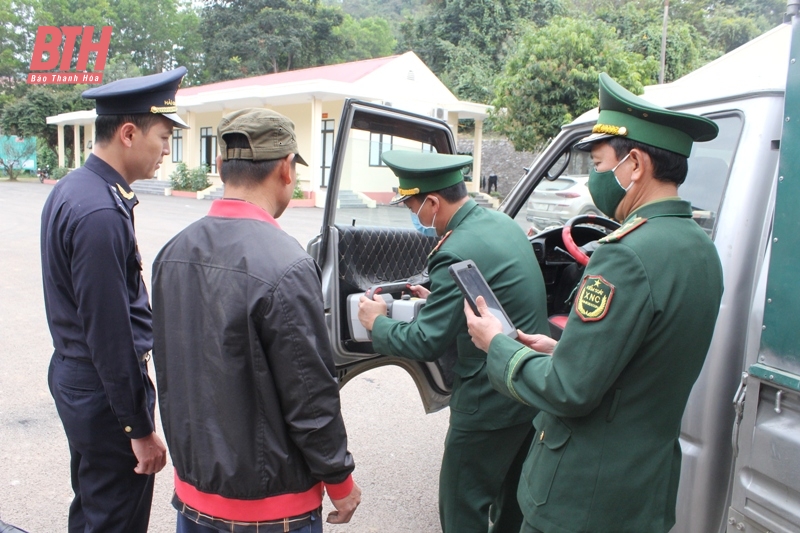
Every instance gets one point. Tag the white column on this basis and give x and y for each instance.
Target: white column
(77, 145)
(314, 159)
(452, 121)
(89, 130)
(61, 155)
(191, 142)
(476, 156)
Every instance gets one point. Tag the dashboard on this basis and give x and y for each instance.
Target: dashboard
(549, 248)
(560, 271)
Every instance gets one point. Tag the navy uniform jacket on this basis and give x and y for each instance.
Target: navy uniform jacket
(95, 298)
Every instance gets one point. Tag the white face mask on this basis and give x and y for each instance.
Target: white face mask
(428, 231)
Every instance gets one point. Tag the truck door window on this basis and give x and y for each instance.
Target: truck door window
(709, 167)
(554, 201)
(367, 185)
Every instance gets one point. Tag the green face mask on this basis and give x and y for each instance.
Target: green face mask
(605, 189)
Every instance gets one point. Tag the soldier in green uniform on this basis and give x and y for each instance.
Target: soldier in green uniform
(612, 391)
(489, 434)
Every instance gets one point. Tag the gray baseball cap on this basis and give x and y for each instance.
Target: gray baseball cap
(270, 135)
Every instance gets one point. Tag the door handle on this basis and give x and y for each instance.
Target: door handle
(738, 407)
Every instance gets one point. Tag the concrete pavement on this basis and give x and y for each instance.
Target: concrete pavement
(397, 448)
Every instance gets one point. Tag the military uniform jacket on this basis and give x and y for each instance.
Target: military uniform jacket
(96, 301)
(504, 255)
(606, 456)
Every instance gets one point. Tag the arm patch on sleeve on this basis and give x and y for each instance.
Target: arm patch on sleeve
(594, 298)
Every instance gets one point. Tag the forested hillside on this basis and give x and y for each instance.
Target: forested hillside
(536, 59)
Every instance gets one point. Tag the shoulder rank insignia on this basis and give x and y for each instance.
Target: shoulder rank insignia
(623, 230)
(594, 298)
(126, 195)
(118, 201)
(441, 242)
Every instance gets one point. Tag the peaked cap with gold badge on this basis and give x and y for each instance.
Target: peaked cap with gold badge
(623, 114)
(145, 94)
(421, 172)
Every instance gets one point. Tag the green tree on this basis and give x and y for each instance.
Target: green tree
(728, 30)
(120, 67)
(454, 31)
(713, 26)
(248, 38)
(27, 116)
(393, 10)
(364, 38)
(12, 42)
(551, 77)
(481, 25)
(156, 34)
(469, 73)
(70, 13)
(14, 153)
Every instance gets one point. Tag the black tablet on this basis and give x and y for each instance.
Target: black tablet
(472, 283)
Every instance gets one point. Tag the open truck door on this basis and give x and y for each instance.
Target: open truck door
(366, 242)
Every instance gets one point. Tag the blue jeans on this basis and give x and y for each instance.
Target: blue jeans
(187, 525)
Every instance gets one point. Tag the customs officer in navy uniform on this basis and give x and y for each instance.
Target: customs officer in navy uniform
(489, 434)
(98, 310)
(606, 456)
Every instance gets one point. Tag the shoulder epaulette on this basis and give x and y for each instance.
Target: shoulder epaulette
(441, 242)
(623, 230)
(118, 202)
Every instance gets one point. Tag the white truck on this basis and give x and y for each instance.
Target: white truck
(741, 429)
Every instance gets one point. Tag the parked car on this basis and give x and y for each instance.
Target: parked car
(739, 437)
(555, 202)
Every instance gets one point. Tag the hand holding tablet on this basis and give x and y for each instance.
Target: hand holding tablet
(472, 283)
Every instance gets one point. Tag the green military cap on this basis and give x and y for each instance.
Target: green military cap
(421, 172)
(623, 114)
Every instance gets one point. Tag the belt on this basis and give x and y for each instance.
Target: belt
(283, 525)
(145, 357)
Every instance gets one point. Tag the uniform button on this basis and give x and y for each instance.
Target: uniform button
(128, 429)
(541, 435)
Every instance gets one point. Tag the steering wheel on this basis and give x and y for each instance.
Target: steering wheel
(569, 242)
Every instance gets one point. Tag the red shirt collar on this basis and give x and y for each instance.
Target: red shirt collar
(227, 208)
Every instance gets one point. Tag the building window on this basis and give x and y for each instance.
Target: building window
(378, 143)
(208, 149)
(327, 151)
(177, 145)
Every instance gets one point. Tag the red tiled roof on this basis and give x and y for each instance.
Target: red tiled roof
(344, 72)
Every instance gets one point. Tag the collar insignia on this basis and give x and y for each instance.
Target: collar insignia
(126, 195)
